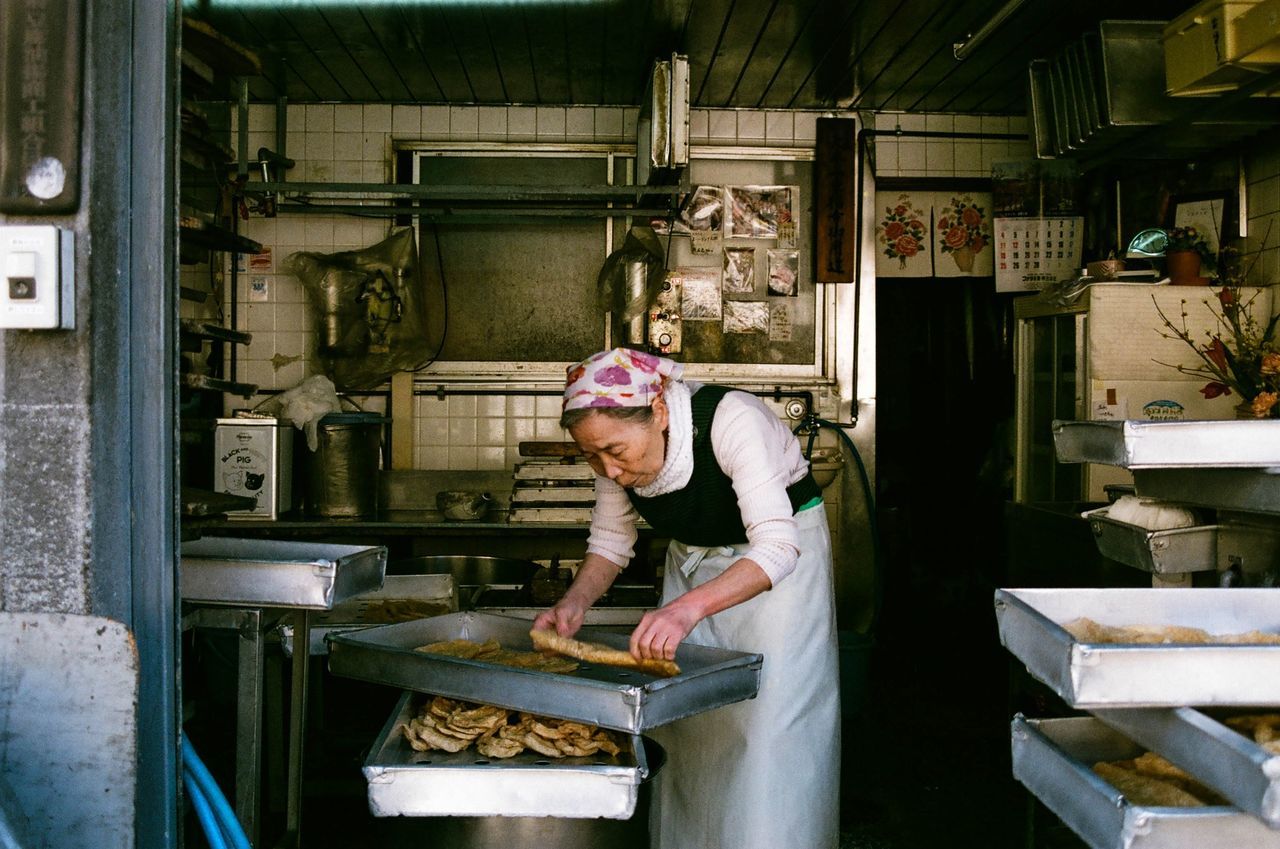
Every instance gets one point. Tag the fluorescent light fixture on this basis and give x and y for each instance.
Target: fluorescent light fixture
(962, 49)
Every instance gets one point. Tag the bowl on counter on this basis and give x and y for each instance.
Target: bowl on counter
(462, 505)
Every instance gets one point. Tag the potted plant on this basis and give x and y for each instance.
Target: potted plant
(1241, 356)
(1186, 253)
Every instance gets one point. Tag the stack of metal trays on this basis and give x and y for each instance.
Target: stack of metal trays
(278, 573)
(402, 598)
(553, 490)
(403, 782)
(1052, 758)
(607, 696)
(1138, 694)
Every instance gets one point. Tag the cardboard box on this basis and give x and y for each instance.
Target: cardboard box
(1127, 339)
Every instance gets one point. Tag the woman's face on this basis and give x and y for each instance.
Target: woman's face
(628, 452)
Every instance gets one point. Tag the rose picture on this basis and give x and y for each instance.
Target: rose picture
(901, 232)
(964, 230)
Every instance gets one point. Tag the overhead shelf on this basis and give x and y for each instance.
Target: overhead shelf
(217, 51)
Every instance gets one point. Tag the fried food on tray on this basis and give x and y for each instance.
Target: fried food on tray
(596, 653)
(1141, 789)
(1088, 631)
(451, 726)
(490, 651)
(1264, 728)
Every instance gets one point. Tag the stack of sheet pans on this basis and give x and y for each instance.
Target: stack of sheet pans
(609, 697)
(1139, 696)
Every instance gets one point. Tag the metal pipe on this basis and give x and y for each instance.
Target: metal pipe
(962, 49)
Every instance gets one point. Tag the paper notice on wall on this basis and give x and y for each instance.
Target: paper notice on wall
(779, 321)
(261, 261)
(259, 289)
(704, 241)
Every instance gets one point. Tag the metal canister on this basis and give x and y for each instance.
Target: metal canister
(342, 473)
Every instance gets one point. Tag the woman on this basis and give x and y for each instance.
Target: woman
(748, 569)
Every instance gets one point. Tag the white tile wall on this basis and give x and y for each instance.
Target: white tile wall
(1262, 247)
(919, 157)
(353, 143)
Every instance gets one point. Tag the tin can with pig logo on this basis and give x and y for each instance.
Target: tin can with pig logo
(254, 457)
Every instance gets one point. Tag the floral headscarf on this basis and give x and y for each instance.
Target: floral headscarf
(618, 378)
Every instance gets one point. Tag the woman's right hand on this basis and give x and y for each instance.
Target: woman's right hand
(565, 618)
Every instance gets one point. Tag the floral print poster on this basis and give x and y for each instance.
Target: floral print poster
(934, 234)
(902, 234)
(962, 244)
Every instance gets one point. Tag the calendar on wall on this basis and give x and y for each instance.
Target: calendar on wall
(1031, 253)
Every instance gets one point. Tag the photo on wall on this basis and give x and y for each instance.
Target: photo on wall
(784, 271)
(739, 270)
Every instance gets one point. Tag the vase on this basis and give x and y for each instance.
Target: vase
(964, 258)
(1184, 268)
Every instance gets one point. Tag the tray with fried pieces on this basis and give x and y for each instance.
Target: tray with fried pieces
(1234, 752)
(1114, 795)
(491, 660)
(443, 757)
(1147, 648)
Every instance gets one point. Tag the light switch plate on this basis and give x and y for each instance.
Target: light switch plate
(37, 277)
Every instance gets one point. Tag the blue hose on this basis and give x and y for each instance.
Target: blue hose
(204, 813)
(812, 424)
(224, 819)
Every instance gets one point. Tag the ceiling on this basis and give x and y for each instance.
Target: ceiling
(800, 54)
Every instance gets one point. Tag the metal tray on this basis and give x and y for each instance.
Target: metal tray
(406, 783)
(278, 573)
(1053, 759)
(1253, 443)
(1232, 764)
(422, 595)
(621, 699)
(1250, 490)
(1167, 552)
(1089, 676)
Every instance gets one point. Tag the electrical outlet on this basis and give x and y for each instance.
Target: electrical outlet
(37, 279)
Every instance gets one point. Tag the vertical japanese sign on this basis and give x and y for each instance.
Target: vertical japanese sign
(40, 105)
(835, 200)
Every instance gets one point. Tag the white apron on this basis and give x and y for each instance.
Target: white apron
(764, 772)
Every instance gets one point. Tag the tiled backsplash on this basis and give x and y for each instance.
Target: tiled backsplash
(1262, 256)
(907, 156)
(353, 143)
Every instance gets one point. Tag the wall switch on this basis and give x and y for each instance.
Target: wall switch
(37, 277)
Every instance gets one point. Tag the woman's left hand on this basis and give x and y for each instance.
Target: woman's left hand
(661, 630)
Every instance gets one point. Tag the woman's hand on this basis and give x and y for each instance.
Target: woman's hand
(661, 630)
(565, 618)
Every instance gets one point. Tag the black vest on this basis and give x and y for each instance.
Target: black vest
(705, 512)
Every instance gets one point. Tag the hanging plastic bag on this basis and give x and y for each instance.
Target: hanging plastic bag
(369, 308)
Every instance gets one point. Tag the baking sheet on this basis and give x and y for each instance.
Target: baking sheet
(621, 699)
(1089, 676)
(1243, 443)
(1219, 757)
(1053, 759)
(278, 573)
(402, 782)
(1167, 552)
(401, 597)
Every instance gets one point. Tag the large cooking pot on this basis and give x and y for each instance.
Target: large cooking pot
(557, 832)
